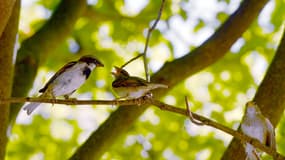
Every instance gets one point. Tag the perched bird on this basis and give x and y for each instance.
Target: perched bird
(67, 80)
(130, 87)
(255, 125)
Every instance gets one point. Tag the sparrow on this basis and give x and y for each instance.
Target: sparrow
(131, 87)
(67, 80)
(255, 125)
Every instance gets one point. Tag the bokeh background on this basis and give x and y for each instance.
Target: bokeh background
(115, 31)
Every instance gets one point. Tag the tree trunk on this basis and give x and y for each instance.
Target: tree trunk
(7, 43)
(6, 7)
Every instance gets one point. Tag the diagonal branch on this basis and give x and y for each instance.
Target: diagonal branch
(206, 121)
(208, 53)
(129, 61)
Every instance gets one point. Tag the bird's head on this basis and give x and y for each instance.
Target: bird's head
(120, 72)
(90, 60)
(252, 108)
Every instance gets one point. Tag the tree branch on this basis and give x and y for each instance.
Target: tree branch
(190, 115)
(205, 121)
(36, 49)
(148, 37)
(271, 106)
(163, 106)
(147, 43)
(171, 74)
(129, 61)
(139, 101)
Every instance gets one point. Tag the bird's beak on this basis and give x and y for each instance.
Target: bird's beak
(116, 72)
(250, 103)
(117, 68)
(99, 64)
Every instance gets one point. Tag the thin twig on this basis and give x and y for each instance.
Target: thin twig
(136, 57)
(189, 113)
(148, 37)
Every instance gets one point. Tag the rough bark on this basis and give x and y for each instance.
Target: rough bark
(270, 97)
(7, 42)
(6, 7)
(35, 49)
(171, 74)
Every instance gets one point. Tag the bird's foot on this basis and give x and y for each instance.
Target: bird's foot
(73, 100)
(147, 96)
(116, 100)
(53, 101)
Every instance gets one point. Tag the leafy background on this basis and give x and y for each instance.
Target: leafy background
(114, 31)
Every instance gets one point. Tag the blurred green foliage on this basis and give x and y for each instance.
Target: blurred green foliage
(115, 32)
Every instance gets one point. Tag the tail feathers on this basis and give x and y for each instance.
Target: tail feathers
(157, 85)
(252, 156)
(31, 107)
(251, 153)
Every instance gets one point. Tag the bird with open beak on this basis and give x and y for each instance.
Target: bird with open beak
(131, 87)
